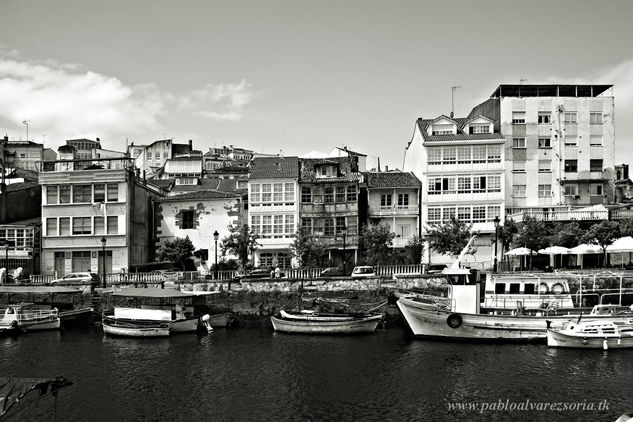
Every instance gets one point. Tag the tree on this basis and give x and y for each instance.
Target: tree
(626, 226)
(451, 237)
(179, 251)
(506, 233)
(414, 250)
(240, 242)
(566, 234)
(532, 234)
(310, 250)
(376, 241)
(603, 234)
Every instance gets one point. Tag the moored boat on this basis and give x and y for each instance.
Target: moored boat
(361, 324)
(125, 327)
(592, 334)
(30, 317)
(314, 316)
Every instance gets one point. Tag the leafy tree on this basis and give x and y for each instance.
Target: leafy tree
(451, 237)
(626, 226)
(375, 241)
(240, 242)
(566, 234)
(603, 234)
(310, 250)
(532, 234)
(414, 250)
(179, 251)
(506, 233)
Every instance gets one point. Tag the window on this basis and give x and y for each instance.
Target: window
(255, 195)
(518, 142)
(479, 214)
(385, 200)
(99, 227)
(463, 185)
(306, 225)
(571, 117)
(328, 194)
(340, 225)
(479, 184)
(278, 192)
(51, 195)
(113, 225)
(448, 213)
(340, 194)
(64, 226)
(64, 194)
(595, 165)
(463, 213)
(328, 225)
(544, 191)
(571, 140)
(82, 225)
(571, 166)
(493, 211)
(267, 224)
(571, 190)
(306, 194)
(267, 192)
(464, 155)
(99, 195)
(494, 153)
(544, 117)
(403, 199)
(595, 118)
(545, 166)
(595, 141)
(480, 128)
(82, 193)
(434, 215)
(255, 224)
(435, 156)
(450, 155)
(278, 224)
(51, 227)
(149, 155)
(494, 183)
(596, 190)
(479, 154)
(187, 220)
(351, 193)
(445, 129)
(290, 224)
(518, 117)
(518, 167)
(518, 191)
(544, 143)
(289, 192)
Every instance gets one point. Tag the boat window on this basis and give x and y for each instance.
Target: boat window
(515, 287)
(500, 288)
(529, 288)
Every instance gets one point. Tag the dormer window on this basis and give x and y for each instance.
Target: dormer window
(326, 170)
(443, 129)
(479, 128)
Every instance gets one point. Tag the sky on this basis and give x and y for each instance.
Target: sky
(293, 76)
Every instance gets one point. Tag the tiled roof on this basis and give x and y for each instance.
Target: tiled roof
(275, 168)
(423, 124)
(221, 185)
(392, 179)
(20, 186)
(198, 196)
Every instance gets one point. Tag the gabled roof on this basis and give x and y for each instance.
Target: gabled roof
(199, 196)
(423, 124)
(444, 116)
(479, 116)
(392, 179)
(275, 168)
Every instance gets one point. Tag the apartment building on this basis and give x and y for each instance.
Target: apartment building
(87, 202)
(461, 164)
(331, 204)
(273, 208)
(560, 145)
(394, 201)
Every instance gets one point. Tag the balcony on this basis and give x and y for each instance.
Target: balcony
(329, 208)
(567, 215)
(380, 211)
(86, 164)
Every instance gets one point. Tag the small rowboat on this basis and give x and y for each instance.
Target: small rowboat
(314, 316)
(365, 324)
(594, 334)
(137, 328)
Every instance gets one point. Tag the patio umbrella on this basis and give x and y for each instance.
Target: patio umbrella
(585, 248)
(520, 252)
(622, 245)
(554, 250)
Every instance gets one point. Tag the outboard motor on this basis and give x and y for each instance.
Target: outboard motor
(206, 322)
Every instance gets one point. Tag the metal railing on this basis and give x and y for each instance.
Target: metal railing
(560, 215)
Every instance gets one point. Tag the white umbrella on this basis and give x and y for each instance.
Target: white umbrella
(623, 244)
(554, 250)
(520, 252)
(585, 248)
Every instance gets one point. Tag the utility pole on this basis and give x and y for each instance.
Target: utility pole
(26, 122)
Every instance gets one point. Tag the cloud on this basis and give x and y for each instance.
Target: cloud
(223, 101)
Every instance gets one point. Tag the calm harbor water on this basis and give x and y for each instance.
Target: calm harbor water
(254, 374)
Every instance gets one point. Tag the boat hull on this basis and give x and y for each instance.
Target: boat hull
(114, 329)
(426, 321)
(184, 325)
(220, 320)
(558, 339)
(314, 317)
(358, 325)
(40, 325)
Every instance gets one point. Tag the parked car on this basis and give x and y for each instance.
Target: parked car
(77, 278)
(435, 268)
(364, 271)
(259, 273)
(332, 272)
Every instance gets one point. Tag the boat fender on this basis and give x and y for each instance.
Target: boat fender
(585, 341)
(557, 288)
(454, 320)
(543, 288)
(14, 324)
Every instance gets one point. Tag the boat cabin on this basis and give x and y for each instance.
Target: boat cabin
(507, 291)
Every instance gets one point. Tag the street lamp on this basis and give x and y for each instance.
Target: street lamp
(216, 236)
(496, 221)
(343, 231)
(103, 244)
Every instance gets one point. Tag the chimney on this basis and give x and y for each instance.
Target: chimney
(386, 168)
(190, 144)
(452, 114)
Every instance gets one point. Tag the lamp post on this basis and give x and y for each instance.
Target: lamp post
(496, 221)
(216, 236)
(344, 233)
(103, 274)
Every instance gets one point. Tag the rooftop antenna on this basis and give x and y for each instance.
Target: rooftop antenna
(453, 88)
(521, 83)
(26, 122)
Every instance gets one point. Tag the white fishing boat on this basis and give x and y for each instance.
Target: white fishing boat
(592, 334)
(132, 322)
(361, 324)
(460, 314)
(30, 317)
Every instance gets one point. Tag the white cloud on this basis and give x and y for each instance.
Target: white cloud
(223, 101)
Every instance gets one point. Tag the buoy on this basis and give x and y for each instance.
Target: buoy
(618, 341)
(205, 320)
(605, 346)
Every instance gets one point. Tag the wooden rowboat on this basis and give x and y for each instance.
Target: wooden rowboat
(365, 324)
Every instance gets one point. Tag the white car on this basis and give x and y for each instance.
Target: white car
(77, 278)
(364, 271)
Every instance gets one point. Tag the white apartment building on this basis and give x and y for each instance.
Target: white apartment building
(559, 145)
(460, 163)
(273, 208)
